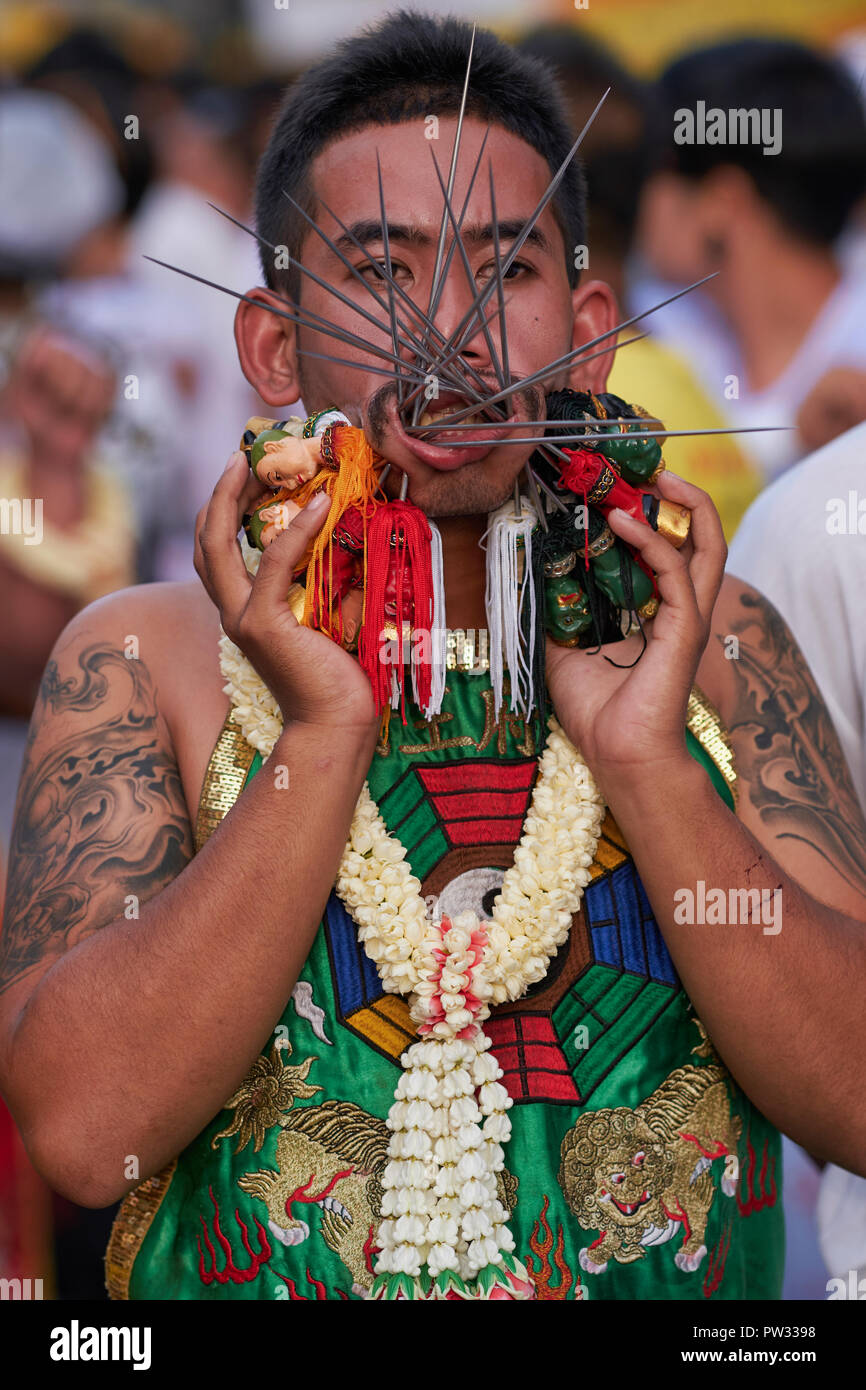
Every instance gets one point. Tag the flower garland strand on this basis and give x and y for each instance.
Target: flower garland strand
(444, 1231)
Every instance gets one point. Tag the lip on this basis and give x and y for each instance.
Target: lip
(447, 460)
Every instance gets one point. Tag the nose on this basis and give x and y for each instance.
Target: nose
(456, 298)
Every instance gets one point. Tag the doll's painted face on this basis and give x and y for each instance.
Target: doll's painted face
(276, 519)
(288, 462)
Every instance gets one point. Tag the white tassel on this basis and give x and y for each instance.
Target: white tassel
(395, 687)
(509, 587)
(437, 635)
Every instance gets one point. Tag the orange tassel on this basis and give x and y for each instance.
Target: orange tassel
(353, 484)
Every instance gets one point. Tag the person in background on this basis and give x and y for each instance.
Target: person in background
(75, 540)
(820, 596)
(616, 155)
(773, 329)
(100, 290)
(57, 388)
(205, 156)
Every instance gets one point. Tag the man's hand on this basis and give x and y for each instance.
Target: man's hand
(313, 680)
(623, 717)
(60, 393)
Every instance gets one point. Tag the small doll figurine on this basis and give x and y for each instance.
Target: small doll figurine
(268, 521)
(279, 460)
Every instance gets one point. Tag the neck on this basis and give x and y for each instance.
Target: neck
(772, 314)
(463, 564)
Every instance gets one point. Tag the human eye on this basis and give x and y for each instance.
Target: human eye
(375, 271)
(517, 270)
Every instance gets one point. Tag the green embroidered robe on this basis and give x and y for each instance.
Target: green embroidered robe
(637, 1168)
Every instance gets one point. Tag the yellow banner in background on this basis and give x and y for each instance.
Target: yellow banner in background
(646, 34)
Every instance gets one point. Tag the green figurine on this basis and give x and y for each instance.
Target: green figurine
(566, 608)
(607, 557)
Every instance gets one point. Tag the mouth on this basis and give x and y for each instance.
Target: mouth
(460, 446)
(629, 1208)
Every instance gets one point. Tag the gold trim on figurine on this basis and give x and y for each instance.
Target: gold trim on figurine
(649, 609)
(555, 569)
(603, 541)
(673, 522)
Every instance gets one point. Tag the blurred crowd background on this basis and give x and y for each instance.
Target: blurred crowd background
(120, 394)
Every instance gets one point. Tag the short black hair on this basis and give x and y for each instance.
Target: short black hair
(408, 66)
(819, 174)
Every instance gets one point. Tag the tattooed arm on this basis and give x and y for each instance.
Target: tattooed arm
(781, 994)
(137, 986)
(100, 822)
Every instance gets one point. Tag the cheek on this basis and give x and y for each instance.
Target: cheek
(330, 382)
(540, 332)
(668, 232)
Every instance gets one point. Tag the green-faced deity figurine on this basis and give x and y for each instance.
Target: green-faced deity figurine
(608, 559)
(566, 606)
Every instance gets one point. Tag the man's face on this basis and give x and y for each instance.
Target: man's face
(539, 311)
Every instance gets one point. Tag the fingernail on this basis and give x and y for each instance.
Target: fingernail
(319, 502)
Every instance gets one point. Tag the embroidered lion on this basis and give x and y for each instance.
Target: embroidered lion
(641, 1176)
(331, 1155)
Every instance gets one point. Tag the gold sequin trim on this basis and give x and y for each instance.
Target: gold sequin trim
(226, 773)
(705, 722)
(467, 649)
(223, 782)
(131, 1225)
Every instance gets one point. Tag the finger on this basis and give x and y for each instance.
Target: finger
(198, 557)
(708, 551)
(282, 555)
(251, 494)
(228, 580)
(670, 566)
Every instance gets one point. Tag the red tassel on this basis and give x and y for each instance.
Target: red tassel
(400, 575)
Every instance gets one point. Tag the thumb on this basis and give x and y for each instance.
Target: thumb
(281, 557)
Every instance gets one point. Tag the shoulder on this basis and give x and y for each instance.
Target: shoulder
(167, 631)
(174, 620)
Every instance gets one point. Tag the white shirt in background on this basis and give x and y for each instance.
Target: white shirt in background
(790, 547)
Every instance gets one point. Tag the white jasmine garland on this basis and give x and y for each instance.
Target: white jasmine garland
(442, 1211)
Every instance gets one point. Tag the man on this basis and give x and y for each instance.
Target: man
(617, 158)
(748, 128)
(818, 508)
(183, 980)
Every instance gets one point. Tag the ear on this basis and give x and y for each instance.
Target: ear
(266, 347)
(595, 312)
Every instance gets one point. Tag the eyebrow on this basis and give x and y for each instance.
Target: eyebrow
(478, 234)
